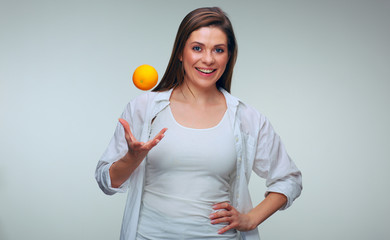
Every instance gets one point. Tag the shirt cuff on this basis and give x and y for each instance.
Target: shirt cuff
(108, 189)
(289, 189)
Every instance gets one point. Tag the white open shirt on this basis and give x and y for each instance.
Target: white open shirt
(258, 148)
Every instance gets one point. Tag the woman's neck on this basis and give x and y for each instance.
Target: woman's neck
(190, 94)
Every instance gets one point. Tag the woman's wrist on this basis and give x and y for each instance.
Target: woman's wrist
(122, 169)
(250, 221)
(272, 203)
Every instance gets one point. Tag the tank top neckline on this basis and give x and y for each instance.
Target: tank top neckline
(196, 129)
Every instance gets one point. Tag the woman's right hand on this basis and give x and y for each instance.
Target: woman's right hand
(121, 170)
(139, 150)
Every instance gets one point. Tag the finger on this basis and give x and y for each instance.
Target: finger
(229, 207)
(128, 133)
(150, 144)
(160, 135)
(225, 229)
(223, 205)
(221, 220)
(220, 214)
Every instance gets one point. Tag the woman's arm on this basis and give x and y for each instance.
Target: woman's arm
(121, 170)
(272, 203)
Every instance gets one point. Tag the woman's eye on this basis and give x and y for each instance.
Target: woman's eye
(196, 48)
(219, 50)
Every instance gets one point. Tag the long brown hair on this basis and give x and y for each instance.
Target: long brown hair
(198, 18)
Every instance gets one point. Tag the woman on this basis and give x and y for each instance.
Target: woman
(190, 181)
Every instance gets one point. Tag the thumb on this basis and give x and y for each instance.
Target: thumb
(126, 126)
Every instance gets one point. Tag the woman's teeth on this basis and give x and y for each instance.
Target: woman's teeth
(205, 70)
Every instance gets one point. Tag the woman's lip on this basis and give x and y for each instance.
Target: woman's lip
(206, 70)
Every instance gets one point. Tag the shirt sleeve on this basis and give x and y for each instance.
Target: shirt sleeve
(274, 164)
(115, 150)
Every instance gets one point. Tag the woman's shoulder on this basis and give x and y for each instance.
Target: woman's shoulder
(148, 97)
(145, 100)
(145, 96)
(249, 116)
(244, 110)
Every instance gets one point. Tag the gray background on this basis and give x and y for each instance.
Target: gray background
(318, 69)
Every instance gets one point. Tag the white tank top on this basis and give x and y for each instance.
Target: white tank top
(186, 173)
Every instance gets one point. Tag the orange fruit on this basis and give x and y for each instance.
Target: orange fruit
(145, 77)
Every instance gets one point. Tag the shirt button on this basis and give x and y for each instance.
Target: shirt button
(236, 139)
(239, 159)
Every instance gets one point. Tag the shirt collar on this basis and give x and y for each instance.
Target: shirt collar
(230, 99)
(163, 96)
(162, 100)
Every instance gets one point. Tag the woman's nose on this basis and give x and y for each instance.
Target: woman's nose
(208, 58)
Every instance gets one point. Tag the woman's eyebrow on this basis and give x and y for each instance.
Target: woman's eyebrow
(202, 44)
(198, 43)
(221, 45)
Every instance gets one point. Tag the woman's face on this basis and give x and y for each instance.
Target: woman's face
(204, 57)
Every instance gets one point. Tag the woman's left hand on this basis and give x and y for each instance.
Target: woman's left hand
(235, 219)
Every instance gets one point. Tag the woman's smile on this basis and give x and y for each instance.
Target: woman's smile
(206, 70)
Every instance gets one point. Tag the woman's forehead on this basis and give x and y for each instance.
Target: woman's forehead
(208, 36)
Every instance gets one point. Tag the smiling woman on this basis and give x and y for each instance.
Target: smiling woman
(199, 18)
(190, 181)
